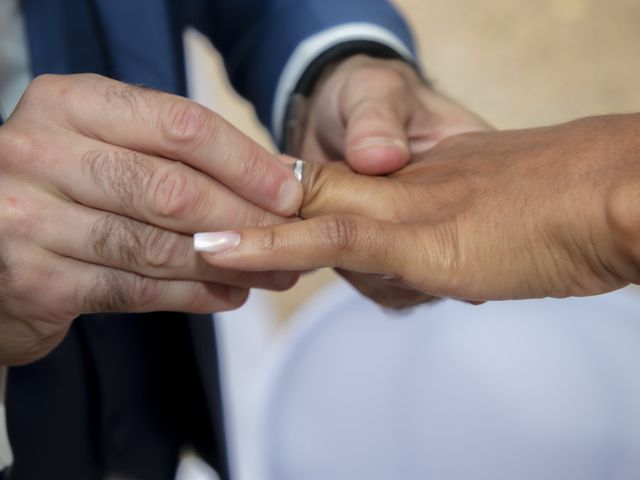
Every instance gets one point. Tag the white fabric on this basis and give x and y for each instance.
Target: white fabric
(529, 390)
(14, 58)
(244, 338)
(313, 47)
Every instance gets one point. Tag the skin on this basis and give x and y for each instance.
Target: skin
(376, 115)
(546, 212)
(103, 185)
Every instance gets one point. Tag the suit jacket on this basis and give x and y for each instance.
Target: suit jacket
(124, 393)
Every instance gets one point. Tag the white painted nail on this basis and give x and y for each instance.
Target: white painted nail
(215, 242)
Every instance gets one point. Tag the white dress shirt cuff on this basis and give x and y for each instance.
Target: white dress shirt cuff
(304, 55)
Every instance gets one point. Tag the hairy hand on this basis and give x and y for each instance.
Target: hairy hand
(482, 216)
(102, 186)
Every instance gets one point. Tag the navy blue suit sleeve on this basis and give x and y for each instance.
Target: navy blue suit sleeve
(257, 37)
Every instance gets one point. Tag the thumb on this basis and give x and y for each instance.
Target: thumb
(376, 140)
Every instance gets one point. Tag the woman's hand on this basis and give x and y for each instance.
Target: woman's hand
(482, 216)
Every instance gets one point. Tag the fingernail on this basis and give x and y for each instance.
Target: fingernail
(289, 196)
(373, 142)
(215, 242)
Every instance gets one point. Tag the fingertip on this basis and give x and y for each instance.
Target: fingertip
(238, 296)
(286, 280)
(214, 297)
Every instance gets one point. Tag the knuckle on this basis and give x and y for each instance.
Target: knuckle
(164, 250)
(121, 94)
(135, 102)
(110, 293)
(117, 240)
(20, 148)
(126, 243)
(42, 87)
(50, 90)
(27, 277)
(118, 173)
(183, 123)
(173, 192)
(144, 293)
(340, 232)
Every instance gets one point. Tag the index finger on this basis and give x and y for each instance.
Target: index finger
(173, 127)
(377, 108)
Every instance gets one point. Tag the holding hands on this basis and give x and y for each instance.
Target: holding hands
(482, 216)
(103, 185)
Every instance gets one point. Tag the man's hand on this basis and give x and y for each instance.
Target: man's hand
(101, 187)
(377, 114)
(483, 216)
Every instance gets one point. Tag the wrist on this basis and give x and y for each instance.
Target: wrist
(319, 71)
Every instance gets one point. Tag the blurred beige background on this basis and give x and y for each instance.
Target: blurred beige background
(518, 63)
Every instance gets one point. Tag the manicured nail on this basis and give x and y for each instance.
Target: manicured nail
(289, 196)
(373, 142)
(215, 242)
